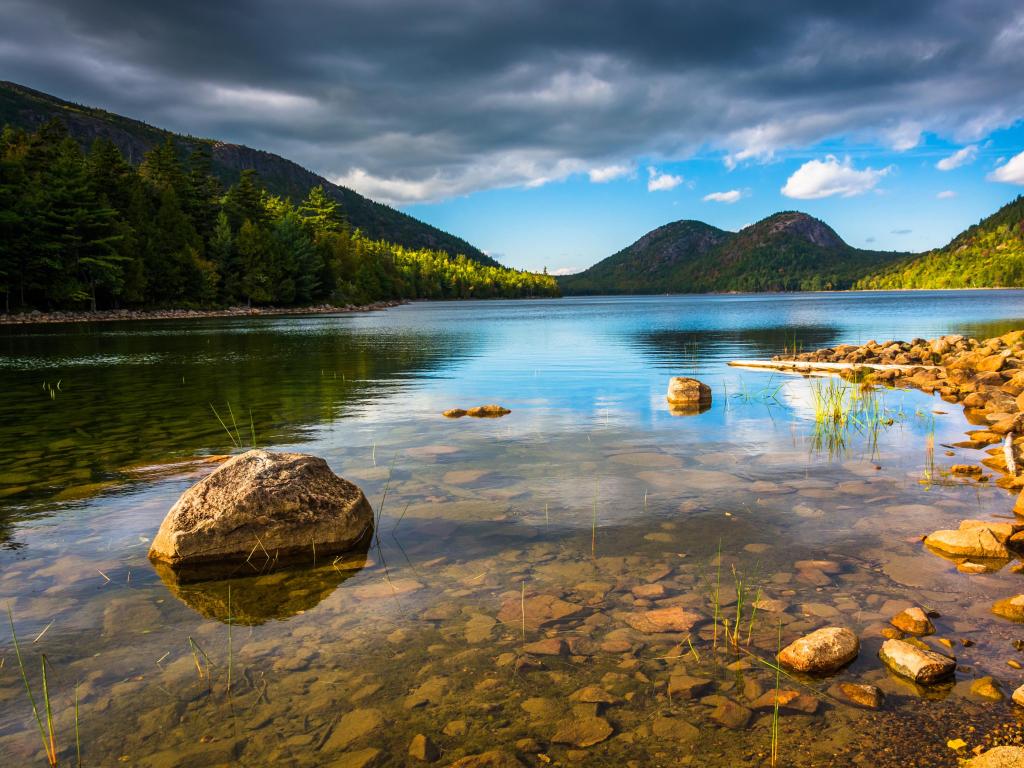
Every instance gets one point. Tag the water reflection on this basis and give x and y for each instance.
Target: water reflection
(278, 594)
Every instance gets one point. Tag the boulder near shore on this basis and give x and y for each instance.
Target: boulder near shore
(686, 391)
(261, 505)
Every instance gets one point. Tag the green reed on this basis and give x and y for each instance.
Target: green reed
(47, 733)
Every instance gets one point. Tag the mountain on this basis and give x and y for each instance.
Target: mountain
(26, 108)
(989, 254)
(787, 251)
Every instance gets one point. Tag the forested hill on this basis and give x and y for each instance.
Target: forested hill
(788, 251)
(989, 254)
(26, 108)
(91, 230)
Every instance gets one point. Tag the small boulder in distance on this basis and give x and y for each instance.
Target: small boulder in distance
(684, 391)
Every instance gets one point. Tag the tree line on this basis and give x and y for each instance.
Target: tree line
(90, 230)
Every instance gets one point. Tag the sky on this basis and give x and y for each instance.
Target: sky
(553, 133)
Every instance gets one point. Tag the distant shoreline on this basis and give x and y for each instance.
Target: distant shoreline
(114, 315)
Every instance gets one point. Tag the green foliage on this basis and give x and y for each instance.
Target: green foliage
(93, 231)
(988, 255)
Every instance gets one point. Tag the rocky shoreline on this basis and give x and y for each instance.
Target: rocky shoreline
(985, 377)
(109, 315)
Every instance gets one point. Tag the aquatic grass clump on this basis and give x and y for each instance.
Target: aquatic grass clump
(842, 410)
(47, 731)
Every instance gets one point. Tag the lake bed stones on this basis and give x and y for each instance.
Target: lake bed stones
(922, 666)
(822, 651)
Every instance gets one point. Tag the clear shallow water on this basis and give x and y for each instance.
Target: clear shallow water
(589, 489)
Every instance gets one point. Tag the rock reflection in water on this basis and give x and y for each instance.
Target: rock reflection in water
(254, 599)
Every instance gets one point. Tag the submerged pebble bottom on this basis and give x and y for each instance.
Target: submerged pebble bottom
(493, 612)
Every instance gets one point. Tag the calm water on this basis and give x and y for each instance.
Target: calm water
(591, 491)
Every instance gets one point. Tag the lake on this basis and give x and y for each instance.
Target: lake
(591, 494)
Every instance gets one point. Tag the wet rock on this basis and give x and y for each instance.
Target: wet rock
(430, 692)
(966, 470)
(539, 610)
(998, 757)
(454, 413)
(731, 715)
(488, 411)
(686, 391)
(1011, 608)
(971, 539)
(918, 664)
(352, 727)
(455, 728)
(649, 591)
(824, 650)
(540, 708)
(987, 688)
(861, 694)
(423, 749)
(495, 758)
(281, 503)
(583, 732)
(1018, 696)
(551, 646)
(771, 605)
(529, 746)
(686, 686)
(674, 729)
(793, 701)
(672, 619)
(913, 621)
(594, 694)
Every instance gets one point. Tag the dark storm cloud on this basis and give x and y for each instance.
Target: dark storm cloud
(422, 99)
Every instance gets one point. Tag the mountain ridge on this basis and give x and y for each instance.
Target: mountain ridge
(788, 250)
(28, 108)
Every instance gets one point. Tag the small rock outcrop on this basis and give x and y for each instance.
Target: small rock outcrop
(974, 538)
(683, 391)
(824, 650)
(263, 505)
(491, 411)
(917, 664)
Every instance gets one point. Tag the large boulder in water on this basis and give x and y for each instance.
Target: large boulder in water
(262, 506)
(686, 392)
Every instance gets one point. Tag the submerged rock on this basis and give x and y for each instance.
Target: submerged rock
(824, 650)
(1018, 696)
(685, 391)
(495, 758)
(861, 694)
(917, 664)
(987, 688)
(267, 506)
(674, 619)
(454, 413)
(583, 732)
(423, 749)
(1011, 608)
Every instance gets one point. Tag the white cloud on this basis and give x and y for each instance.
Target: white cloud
(564, 271)
(661, 182)
(1012, 172)
(906, 135)
(824, 178)
(732, 196)
(946, 194)
(608, 173)
(958, 158)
